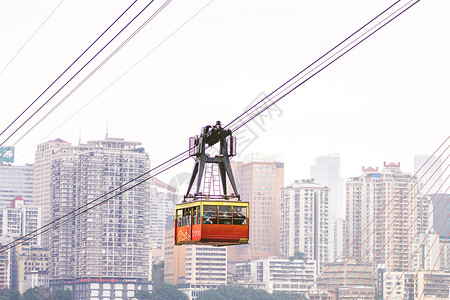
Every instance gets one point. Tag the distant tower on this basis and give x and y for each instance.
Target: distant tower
(327, 172)
(420, 162)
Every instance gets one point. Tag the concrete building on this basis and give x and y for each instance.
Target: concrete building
(29, 267)
(174, 258)
(104, 251)
(416, 285)
(163, 198)
(339, 238)
(440, 202)
(16, 180)
(20, 219)
(380, 211)
(424, 168)
(426, 250)
(5, 264)
(305, 221)
(43, 156)
(277, 274)
(260, 179)
(444, 244)
(338, 277)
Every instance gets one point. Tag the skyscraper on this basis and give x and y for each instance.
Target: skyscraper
(163, 198)
(260, 179)
(110, 242)
(42, 178)
(14, 181)
(425, 166)
(327, 172)
(375, 201)
(305, 221)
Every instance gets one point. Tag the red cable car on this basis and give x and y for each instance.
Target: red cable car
(211, 217)
(219, 223)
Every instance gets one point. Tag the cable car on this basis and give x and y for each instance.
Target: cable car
(219, 223)
(210, 216)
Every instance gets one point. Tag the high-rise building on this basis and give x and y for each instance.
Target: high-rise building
(20, 219)
(339, 238)
(440, 215)
(428, 168)
(163, 198)
(42, 178)
(305, 221)
(16, 180)
(260, 179)
(105, 250)
(379, 216)
(327, 172)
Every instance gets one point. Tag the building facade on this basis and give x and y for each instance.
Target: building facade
(16, 180)
(375, 201)
(305, 221)
(277, 275)
(260, 179)
(43, 158)
(104, 250)
(20, 219)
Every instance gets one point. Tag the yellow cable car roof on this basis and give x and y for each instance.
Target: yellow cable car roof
(217, 202)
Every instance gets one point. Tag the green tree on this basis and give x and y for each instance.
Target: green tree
(167, 292)
(62, 295)
(143, 295)
(9, 294)
(158, 274)
(234, 293)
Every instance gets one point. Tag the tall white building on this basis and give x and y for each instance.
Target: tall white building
(380, 212)
(43, 156)
(20, 219)
(16, 180)
(110, 242)
(305, 221)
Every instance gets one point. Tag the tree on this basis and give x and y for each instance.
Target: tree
(158, 274)
(143, 295)
(234, 293)
(9, 294)
(167, 292)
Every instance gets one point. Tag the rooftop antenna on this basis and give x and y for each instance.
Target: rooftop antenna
(106, 137)
(79, 137)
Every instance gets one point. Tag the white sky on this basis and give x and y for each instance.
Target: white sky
(385, 101)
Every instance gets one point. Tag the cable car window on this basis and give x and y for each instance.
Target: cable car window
(179, 217)
(195, 215)
(209, 214)
(239, 215)
(224, 214)
(198, 215)
(186, 216)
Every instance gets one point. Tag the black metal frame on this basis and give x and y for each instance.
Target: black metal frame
(211, 135)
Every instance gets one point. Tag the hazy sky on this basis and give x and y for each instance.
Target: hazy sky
(385, 101)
